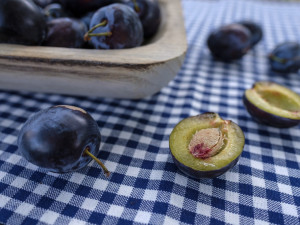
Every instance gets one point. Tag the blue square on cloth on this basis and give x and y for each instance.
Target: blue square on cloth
(218, 203)
(108, 197)
(160, 207)
(59, 183)
(16, 170)
(246, 189)
(83, 190)
(21, 195)
(275, 218)
(133, 203)
(96, 218)
(45, 202)
(5, 214)
(70, 210)
(141, 183)
(37, 176)
(295, 181)
(246, 210)
(187, 217)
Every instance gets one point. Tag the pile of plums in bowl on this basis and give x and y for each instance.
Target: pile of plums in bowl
(233, 41)
(98, 24)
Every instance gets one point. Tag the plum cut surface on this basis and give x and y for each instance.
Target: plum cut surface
(273, 104)
(225, 149)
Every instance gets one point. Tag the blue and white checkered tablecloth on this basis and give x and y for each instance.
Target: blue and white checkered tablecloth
(145, 187)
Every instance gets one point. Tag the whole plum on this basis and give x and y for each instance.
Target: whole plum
(149, 14)
(285, 57)
(229, 42)
(60, 139)
(65, 32)
(21, 22)
(115, 26)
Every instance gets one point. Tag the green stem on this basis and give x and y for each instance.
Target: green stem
(105, 170)
(89, 34)
(136, 7)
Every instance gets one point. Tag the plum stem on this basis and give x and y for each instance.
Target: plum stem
(136, 7)
(89, 34)
(105, 170)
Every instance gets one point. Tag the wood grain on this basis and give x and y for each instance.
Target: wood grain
(128, 73)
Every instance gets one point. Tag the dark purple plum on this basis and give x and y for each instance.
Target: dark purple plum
(81, 7)
(60, 139)
(21, 22)
(86, 19)
(255, 31)
(206, 146)
(115, 26)
(229, 42)
(54, 11)
(44, 3)
(65, 32)
(285, 57)
(204, 174)
(149, 13)
(272, 104)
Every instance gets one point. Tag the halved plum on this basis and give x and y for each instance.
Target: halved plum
(206, 146)
(272, 104)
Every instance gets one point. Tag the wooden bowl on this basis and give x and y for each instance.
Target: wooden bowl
(128, 73)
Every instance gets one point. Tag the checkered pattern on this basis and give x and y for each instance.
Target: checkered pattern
(145, 187)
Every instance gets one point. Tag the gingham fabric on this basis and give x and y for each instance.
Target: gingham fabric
(145, 187)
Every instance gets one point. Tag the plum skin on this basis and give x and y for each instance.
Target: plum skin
(150, 15)
(56, 138)
(269, 119)
(21, 22)
(65, 32)
(196, 174)
(285, 57)
(255, 31)
(229, 42)
(123, 23)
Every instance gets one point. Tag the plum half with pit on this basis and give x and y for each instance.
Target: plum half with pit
(229, 42)
(273, 104)
(115, 26)
(60, 139)
(21, 22)
(206, 146)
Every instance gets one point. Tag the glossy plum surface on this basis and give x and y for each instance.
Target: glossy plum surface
(285, 57)
(56, 138)
(229, 42)
(81, 7)
(121, 22)
(21, 22)
(255, 31)
(65, 32)
(54, 11)
(149, 14)
(44, 3)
